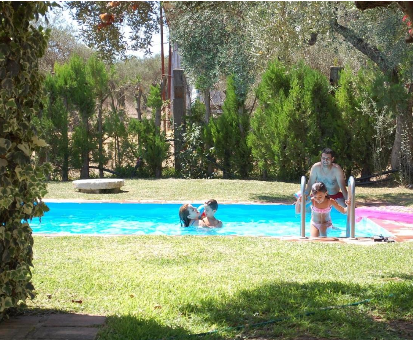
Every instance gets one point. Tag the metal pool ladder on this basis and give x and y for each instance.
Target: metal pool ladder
(302, 207)
(351, 214)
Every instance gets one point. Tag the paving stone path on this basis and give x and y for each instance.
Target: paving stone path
(51, 327)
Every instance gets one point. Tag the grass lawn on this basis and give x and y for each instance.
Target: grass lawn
(224, 191)
(159, 287)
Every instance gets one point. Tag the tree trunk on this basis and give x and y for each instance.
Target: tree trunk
(158, 114)
(84, 173)
(178, 111)
(207, 102)
(158, 172)
(409, 126)
(373, 53)
(397, 145)
(100, 137)
(138, 97)
(65, 165)
(158, 118)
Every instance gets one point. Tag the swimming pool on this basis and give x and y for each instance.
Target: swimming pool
(162, 219)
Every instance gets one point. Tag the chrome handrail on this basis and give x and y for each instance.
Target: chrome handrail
(351, 212)
(303, 201)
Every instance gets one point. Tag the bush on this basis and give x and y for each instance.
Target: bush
(229, 135)
(152, 145)
(297, 117)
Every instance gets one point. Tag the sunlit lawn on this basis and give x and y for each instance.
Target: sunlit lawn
(159, 287)
(181, 190)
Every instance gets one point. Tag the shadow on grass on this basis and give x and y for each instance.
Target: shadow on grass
(282, 199)
(129, 327)
(103, 192)
(402, 199)
(320, 309)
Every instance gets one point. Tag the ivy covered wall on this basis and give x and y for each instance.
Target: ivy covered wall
(22, 182)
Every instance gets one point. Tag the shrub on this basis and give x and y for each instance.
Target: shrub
(229, 134)
(297, 117)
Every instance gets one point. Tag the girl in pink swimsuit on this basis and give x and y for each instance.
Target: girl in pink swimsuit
(320, 210)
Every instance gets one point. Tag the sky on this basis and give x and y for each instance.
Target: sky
(156, 39)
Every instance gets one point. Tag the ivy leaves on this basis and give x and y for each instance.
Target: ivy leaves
(21, 178)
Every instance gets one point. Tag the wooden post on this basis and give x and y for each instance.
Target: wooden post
(178, 108)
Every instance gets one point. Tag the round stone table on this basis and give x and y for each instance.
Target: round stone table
(99, 185)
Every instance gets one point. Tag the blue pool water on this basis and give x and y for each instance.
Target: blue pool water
(162, 219)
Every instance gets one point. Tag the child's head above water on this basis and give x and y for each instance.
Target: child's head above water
(213, 204)
(318, 187)
(211, 207)
(187, 213)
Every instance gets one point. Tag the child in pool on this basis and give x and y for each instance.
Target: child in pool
(320, 210)
(210, 208)
(189, 216)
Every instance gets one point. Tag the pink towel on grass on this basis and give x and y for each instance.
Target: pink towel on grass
(384, 214)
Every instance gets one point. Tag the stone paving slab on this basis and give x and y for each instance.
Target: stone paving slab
(52, 327)
(75, 320)
(67, 333)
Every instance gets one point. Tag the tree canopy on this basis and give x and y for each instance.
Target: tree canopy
(114, 27)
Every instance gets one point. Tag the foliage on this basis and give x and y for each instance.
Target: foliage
(297, 118)
(213, 41)
(120, 148)
(197, 113)
(76, 90)
(22, 178)
(381, 99)
(62, 45)
(198, 44)
(133, 73)
(64, 126)
(55, 124)
(370, 124)
(322, 33)
(229, 134)
(154, 97)
(103, 25)
(98, 78)
(195, 156)
(152, 144)
(272, 91)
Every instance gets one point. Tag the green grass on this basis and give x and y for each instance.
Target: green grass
(158, 287)
(223, 190)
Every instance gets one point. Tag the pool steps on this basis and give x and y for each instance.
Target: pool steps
(351, 214)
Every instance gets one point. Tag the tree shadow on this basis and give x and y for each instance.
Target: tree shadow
(130, 327)
(319, 309)
(273, 308)
(282, 199)
(402, 199)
